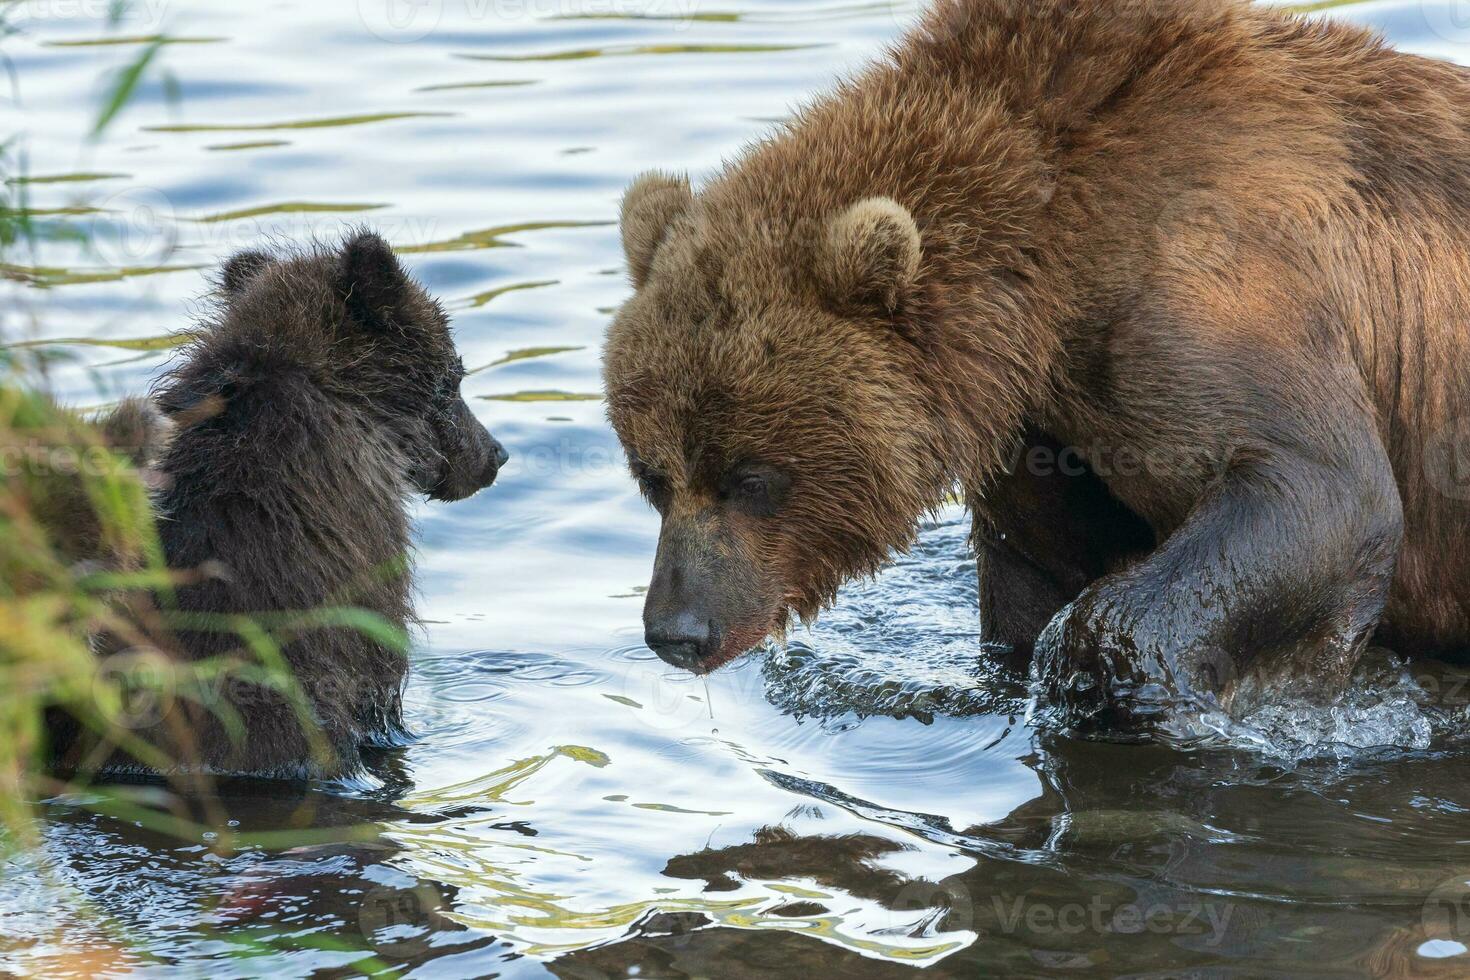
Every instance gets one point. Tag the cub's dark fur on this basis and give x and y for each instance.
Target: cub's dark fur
(322, 392)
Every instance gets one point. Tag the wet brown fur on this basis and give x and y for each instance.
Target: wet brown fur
(1168, 229)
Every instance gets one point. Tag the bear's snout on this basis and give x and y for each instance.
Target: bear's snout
(678, 624)
(681, 640)
(472, 460)
(706, 604)
(496, 457)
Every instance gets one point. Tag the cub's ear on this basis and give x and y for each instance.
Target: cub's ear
(241, 269)
(372, 282)
(139, 428)
(650, 205)
(870, 255)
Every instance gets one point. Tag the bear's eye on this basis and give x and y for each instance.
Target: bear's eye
(755, 488)
(446, 391)
(655, 490)
(652, 484)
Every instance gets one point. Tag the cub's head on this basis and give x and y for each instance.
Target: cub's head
(370, 334)
(764, 390)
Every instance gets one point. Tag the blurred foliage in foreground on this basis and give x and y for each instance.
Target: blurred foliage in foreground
(75, 530)
(80, 559)
(82, 576)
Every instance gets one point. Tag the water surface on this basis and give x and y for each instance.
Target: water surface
(867, 802)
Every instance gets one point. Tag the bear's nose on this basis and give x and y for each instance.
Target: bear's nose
(497, 458)
(682, 642)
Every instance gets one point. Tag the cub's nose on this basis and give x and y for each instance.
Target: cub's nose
(683, 642)
(497, 458)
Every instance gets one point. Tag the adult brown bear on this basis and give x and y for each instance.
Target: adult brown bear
(1176, 292)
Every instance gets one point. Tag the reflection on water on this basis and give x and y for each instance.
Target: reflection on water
(865, 798)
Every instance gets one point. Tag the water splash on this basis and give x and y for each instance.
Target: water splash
(905, 644)
(1392, 705)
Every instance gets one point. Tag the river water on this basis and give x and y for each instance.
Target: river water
(866, 802)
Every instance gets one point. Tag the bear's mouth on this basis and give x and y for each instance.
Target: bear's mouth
(737, 643)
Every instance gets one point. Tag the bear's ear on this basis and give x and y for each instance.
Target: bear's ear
(139, 428)
(650, 205)
(372, 282)
(241, 269)
(870, 255)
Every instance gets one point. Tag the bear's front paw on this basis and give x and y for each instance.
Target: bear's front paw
(1066, 671)
(1092, 674)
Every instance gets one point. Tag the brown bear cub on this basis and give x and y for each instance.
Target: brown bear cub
(323, 392)
(1174, 291)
